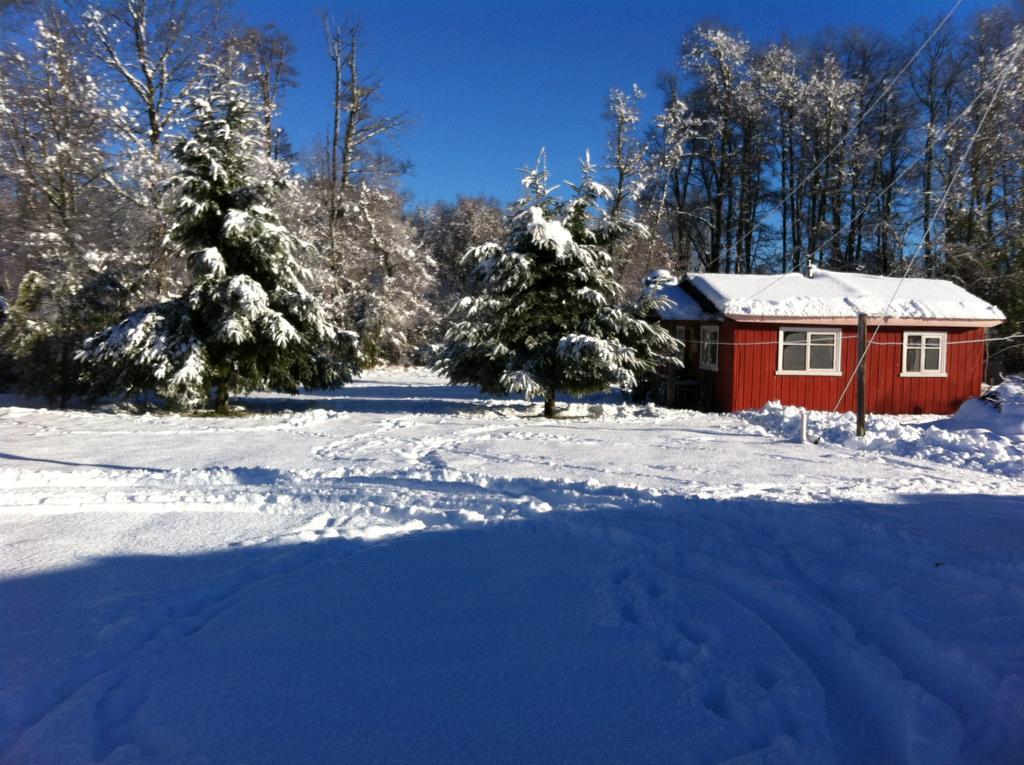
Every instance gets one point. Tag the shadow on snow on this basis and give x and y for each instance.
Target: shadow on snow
(368, 397)
(686, 630)
(21, 458)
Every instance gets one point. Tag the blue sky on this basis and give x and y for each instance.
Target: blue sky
(486, 84)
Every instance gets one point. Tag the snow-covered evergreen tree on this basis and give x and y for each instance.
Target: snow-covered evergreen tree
(547, 315)
(247, 321)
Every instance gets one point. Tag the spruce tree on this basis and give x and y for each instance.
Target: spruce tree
(546, 315)
(246, 322)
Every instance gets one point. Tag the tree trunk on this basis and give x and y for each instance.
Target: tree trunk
(221, 405)
(785, 215)
(354, 107)
(549, 403)
(929, 159)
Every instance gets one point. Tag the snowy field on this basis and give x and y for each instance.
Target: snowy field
(401, 572)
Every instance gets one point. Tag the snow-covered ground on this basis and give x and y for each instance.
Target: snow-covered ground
(401, 572)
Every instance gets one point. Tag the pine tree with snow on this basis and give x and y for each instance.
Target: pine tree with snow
(247, 321)
(546, 316)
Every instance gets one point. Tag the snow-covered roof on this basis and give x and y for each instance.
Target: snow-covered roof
(835, 295)
(679, 305)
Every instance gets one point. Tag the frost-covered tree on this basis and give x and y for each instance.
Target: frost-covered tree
(393, 279)
(247, 321)
(447, 230)
(54, 131)
(666, 203)
(151, 51)
(146, 57)
(268, 53)
(377, 278)
(625, 161)
(982, 225)
(352, 152)
(547, 315)
(370, 270)
(625, 149)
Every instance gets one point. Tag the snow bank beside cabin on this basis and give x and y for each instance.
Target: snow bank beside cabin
(1000, 411)
(986, 434)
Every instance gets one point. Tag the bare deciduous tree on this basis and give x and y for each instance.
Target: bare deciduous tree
(268, 54)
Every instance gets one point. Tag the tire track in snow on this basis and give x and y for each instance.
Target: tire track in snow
(735, 674)
(101, 679)
(859, 659)
(833, 641)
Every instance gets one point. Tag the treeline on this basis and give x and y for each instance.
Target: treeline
(835, 152)
(94, 98)
(855, 151)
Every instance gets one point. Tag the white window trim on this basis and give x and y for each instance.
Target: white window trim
(941, 372)
(708, 367)
(837, 369)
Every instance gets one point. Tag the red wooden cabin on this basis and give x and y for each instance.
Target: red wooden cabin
(751, 339)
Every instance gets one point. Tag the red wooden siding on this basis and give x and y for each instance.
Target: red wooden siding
(725, 385)
(716, 385)
(747, 376)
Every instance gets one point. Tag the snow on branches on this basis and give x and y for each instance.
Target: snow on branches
(247, 321)
(546, 315)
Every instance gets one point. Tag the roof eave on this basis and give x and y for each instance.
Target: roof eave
(888, 321)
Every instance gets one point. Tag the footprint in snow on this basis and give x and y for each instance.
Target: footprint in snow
(620, 575)
(115, 710)
(629, 614)
(677, 652)
(692, 632)
(766, 676)
(715, 701)
(654, 590)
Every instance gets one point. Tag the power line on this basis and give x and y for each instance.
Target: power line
(847, 338)
(805, 259)
(959, 342)
(863, 115)
(1008, 67)
(867, 111)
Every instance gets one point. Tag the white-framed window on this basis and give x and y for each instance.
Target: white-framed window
(924, 354)
(709, 347)
(810, 351)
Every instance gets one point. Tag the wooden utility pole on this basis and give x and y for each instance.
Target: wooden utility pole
(862, 353)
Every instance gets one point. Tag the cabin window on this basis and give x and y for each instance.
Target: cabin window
(924, 354)
(679, 333)
(804, 351)
(709, 347)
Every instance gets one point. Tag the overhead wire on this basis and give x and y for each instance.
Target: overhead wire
(1008, 67)
(805, 259)
(857, 123)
